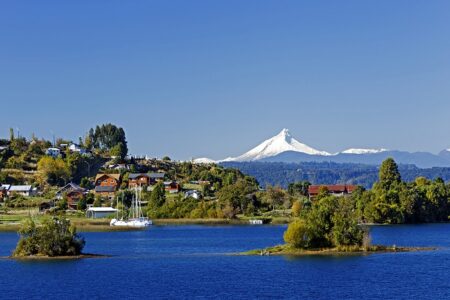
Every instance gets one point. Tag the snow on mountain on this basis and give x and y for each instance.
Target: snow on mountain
(203, 160)
(280, 143)
(363, 151)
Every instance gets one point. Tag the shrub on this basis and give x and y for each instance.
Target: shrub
(297, 234)
(55, 237)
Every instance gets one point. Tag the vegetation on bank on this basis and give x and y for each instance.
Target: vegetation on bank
(288, 250)
(53, 237)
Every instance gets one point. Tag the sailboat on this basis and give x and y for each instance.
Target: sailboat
(137, 219)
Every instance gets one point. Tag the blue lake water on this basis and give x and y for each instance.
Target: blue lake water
(190, 262)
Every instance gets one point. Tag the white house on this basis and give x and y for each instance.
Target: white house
(53, 152)
(24, 190)
(193, 193)
(77, 148)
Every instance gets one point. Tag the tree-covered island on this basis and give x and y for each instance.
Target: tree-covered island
(54, 237)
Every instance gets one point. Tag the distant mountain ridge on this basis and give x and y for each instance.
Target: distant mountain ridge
(283, 147)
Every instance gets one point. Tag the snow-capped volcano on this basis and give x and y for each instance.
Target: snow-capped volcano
(363, 151)
(278, 144)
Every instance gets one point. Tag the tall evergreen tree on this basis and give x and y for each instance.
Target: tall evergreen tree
(389, 174)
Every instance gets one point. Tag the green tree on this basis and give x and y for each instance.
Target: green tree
(107, 137)
(346, 231)
(82, 204)
(55, 237)
(97, 201)
(275, 196)
(53, 171)
(297, 234)
(389, 174)
(158, 195)
(298, 188)
(296, 208)
(62, 204)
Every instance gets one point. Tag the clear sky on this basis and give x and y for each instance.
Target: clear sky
(215, 78)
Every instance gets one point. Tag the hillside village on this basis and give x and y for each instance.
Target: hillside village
(90, 175)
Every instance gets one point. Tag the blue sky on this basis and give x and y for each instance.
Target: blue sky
(214, 78)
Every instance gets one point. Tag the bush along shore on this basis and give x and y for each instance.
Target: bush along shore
(54, 238)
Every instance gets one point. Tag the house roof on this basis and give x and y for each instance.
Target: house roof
(149, 175)
(102, 209)
(5, 186)
(115, 176)
(336, 188)
(156, 175)
(70, 187)
(20, 188)
(105, 189)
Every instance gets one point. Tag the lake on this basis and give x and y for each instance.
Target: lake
(191, 262)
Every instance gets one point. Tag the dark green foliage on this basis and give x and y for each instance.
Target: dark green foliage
(62, 204)
(388, 174)
(85, 183)
(392, 201)
(82, 204)
(299, 188)
(157, 196)
(108, 137)
(55, 237)
(330, 222)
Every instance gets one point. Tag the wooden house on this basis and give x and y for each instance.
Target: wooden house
(172, 187)
(73, 192)
(106, 185)
(144, 179)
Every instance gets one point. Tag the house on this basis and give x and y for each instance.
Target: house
(23, 190)
(100, 212)
(119, 167)
(45, 206)
(172, 187)
(193, 194)
(141, 179)
(77, 148)
(335, 190)
(53, 152)
(73, 192)
(106, 185)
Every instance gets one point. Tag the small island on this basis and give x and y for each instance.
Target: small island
(332, 225)
(54, 238)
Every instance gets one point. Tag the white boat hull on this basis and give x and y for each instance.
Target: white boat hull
(135, 223)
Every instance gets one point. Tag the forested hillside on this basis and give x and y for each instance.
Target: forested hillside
(328, 173)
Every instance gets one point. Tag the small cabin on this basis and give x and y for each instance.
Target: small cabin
(100, 212)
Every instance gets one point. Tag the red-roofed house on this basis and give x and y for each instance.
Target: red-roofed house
(335, 189)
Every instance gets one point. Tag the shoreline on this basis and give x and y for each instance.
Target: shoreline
(284, 250)
(101, 225)
(64, 257)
